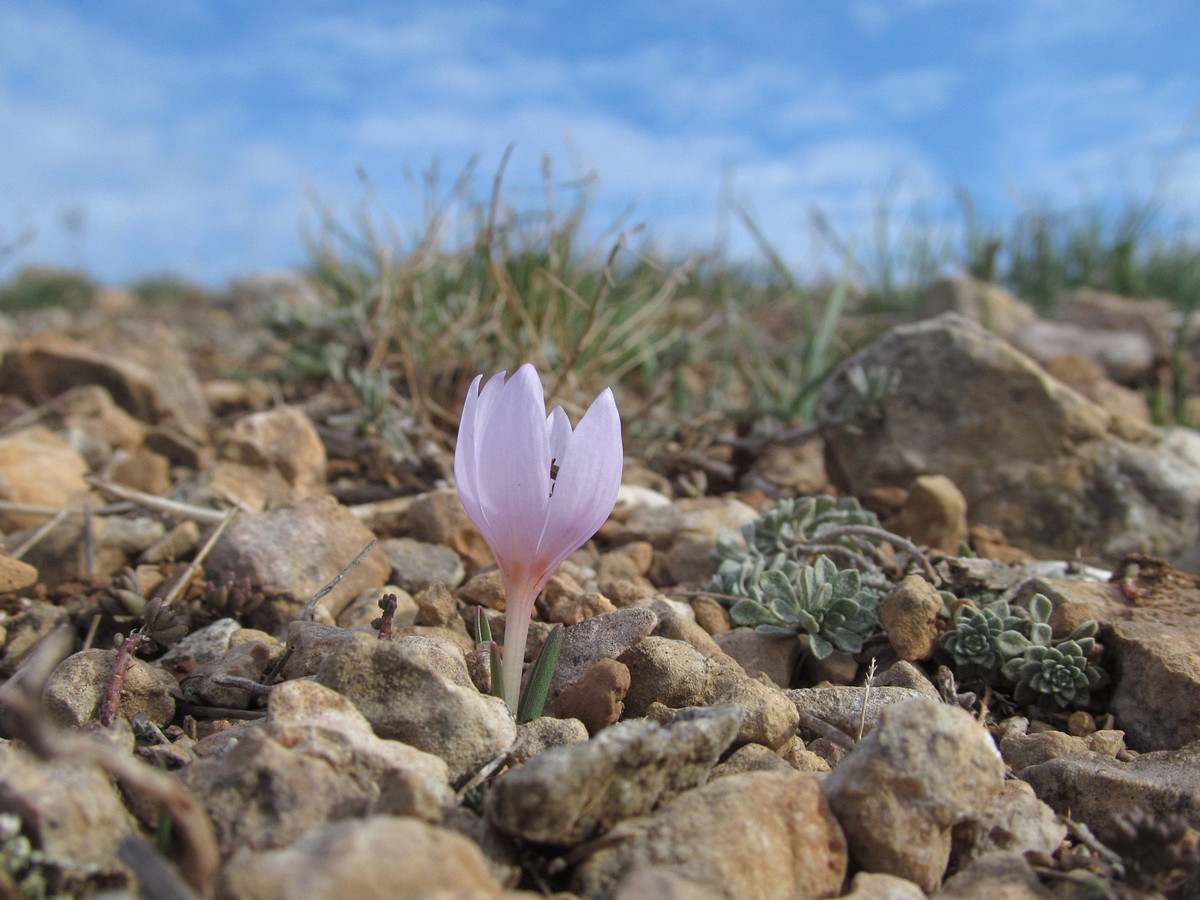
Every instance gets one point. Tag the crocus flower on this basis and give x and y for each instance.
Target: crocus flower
(535, 489)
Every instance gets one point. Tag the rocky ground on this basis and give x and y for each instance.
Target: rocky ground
(189, 712)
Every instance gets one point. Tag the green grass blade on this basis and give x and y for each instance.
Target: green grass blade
(538, 687)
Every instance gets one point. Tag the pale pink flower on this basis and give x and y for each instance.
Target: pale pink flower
(535, 489)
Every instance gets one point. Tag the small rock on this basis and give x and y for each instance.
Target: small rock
(672, 624)
(1024, 750)
(377, 858)
(934, 514)
(75, 690)
(15, 574)
(596, 699)
(711, 615)
(485, 589)
(842, 705)
(180, 541)
(420, 698)
(39, 467)
(604, 637)
(1089, 787)
(541, 734)
(143, 470)
(924, 768)
(568, 794)
(676, 675)
(247, 660)
(571, 609)
(996, 309)
(909, 615)
(438, 517)
(293, 552)
(875, 886)
(661, 884)
(323, 724)
(1014, 822)
(995, 877)
(204, 644)
(25, 629)
(774, 656)
(798, 849)
(70, 811)
(799, 467)
(283, 439)
(436, 607)
(416, 565)
(903, 674)
(261, 795)
(751, 758)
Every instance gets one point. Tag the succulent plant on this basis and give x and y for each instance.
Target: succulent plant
(984, 638)
(1058, 675)
(780, 534)
(830, 608)
(124, 596)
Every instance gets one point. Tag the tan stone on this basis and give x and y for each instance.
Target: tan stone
(38, 467)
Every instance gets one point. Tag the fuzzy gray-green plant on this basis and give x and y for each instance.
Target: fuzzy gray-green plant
(992, 643)
(983, 639)
(1057, 675)
(782, 533)
(829, 608)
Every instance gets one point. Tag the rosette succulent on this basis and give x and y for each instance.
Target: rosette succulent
(1058, 675)
(830, 608)
(984, 638)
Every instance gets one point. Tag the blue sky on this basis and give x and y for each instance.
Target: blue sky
(189, 137)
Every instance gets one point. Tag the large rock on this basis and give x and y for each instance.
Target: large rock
(39, 467)
(1090, 787)
(923, 769)
(766, 835)
(418, 691)
(567, 794)
(292, 552)
(377, 858)
(1150, 628)
(1032, 457)
(143, 367)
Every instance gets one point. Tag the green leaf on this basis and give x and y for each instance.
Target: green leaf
(483, 628)
(747, 612)
(819, 647)
(1040, 634)
(1011, 643)
(497, 669)
(1040, 608)
(540, 675)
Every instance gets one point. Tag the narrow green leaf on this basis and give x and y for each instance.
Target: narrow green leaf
(534, 698)
(483, 628)
(497, 669)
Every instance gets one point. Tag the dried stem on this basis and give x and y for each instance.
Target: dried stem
(111, 707)
(182, 582)
(310, 607)
(158, 504)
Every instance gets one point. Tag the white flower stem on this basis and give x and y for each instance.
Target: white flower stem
(516, 635)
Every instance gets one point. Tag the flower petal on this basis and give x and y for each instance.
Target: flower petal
(589, 476)
(514, 471)
(466, 471)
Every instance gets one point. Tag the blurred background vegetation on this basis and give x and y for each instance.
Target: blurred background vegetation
(405, 314)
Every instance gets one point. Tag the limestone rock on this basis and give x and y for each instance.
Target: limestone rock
(23, 631)
(38, 467)
(416, 565)
(909, 616)
(676, 675)
(376, 858)
(1014, 822)
(1090, 787)
(567, 794)
(775, 656)
(787, 829)
(996, 309)
(292, 552)
(438, 517)
(923, 769)
(604, 637)
(842, 705)
(283, 439)
(323, 724)
(142, 367)
(997, 877)
(1032, 457)
(934, 514)
(596, 699)
(420, 698)
(72, 813)
(15, 574)
(75, 689)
